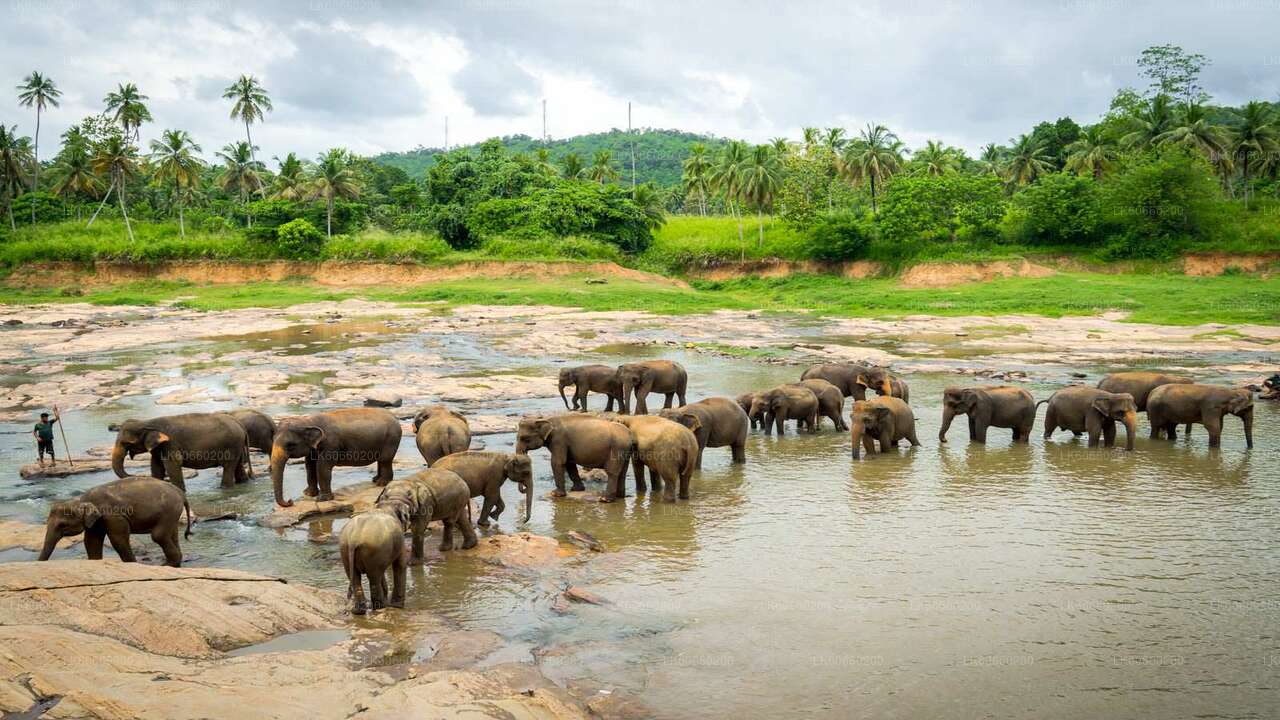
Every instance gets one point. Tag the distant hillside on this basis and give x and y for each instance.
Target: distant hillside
(659, 153)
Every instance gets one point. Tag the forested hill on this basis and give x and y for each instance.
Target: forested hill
(659, 153)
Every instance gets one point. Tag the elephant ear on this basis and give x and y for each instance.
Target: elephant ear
(89, 513)
(518, 464)
(154, 438)
(968, 397)
(881, 413)
(690, 421)
(543, 429)
(312, 435)
(418, 418)
(1242, 400)
(862, 380)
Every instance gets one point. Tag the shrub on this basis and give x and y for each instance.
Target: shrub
(299, 240)
(450, 223)
(839, 236)
(1160, 204)
(1057, 209)
(927, 207)
(377, 244)
(49, 208)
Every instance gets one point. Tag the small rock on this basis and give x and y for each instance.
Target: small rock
(13, 321)
(1079, 375)
(1094, 336)
(596, 281)
(579, 595)
(383, 400)
(585, 540)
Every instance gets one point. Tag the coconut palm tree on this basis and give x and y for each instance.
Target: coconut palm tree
(1192, 130)
(648, 198)
(936, 159)
(16, 156)
(781, 146)
(571, 166)
(697, 175)
(542, 158)
(991, 158)
(1149, 123)
(602, 169)
(1254, 140)
(810, 138)
(291, 180)
(175, 159)
(1093, 153)
(73, 170)
(1025, 162)
(117, 159)
(129, 109)
(761, 178)
(251, 104)
(873, 157)
(240, 173)
(334, 179)
(39, 92)
(726, 178)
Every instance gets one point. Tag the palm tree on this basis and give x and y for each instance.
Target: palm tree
(175, 159)
(1257, 136)
(991, 157)
(781, 146)
(130, 110)
(874, 157)
(935, 159)
(1147, 124)
(834, 139)
(761, 179)
(334, 178)
(571, 165)
(39, 92)
(117, 159)
(73, 170)
(251, 104)
(602, 169)
(648, 198)
(811, 138)
(15, 156)
(1192, 130)
(1093, 153)
(726, 178)
(697, 175)
(241, 173)
(542, 158)
(291, 181)
(1025, 162)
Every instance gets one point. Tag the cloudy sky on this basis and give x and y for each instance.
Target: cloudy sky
(376, 75)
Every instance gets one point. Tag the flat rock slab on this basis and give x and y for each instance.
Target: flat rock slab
(346, 500)
(519, 551)
(29, 536)
(84, 465)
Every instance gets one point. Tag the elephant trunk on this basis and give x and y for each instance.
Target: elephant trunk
(51, 538)
(117, 459)
(564, 399)
(1247, 418)
(856, 434)
(1130, 429)
(278, 460)
(528, 500)
(627, 388)
(885, 388)
(948, 414)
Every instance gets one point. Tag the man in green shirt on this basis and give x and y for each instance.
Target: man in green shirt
(43, 434)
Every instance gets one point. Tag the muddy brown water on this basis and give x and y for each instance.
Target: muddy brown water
(1004, 580)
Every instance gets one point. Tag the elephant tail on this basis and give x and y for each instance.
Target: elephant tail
(1042, 402)
(248, 462)
(187, 505)
(353, 576)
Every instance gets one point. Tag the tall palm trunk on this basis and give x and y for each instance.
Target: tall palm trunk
(328, 220)
(760, 222)
(123, 209)
(873, 195)
(35, 175)
(101, 205)
(177, 201)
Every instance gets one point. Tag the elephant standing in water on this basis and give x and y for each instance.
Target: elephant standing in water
(792, 401)
(746, 401)
(843, 375)
(439, 431)
(484, 473)
(987, 406)
(1169, 405)
(116, 510)
(351, 437)
(1139, 384)
(886, 420)
(1085, 409)
(668, 448)
(721, 422)
(579, 440)
(591, 378)
(830, 401)
(258, 426)
(651, 376)
(191, 440)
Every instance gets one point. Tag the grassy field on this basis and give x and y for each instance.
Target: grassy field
(1165, 299)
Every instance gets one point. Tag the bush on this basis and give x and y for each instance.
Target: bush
(377, 244)
(450, 223)
(839, 236)
(299, 240)
(49, 208)
(926, 207)
(1057, 209)
(1160, 204)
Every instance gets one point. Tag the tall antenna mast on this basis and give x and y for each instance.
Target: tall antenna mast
(633, 146)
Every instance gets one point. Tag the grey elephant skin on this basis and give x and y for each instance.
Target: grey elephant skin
(192, 440)
(884, 383)
(843, 375)
(1169, 405)
(588, 379)
(651, 376)
(792, 401)
(884, 420)
(721, 423)
(746, 401)
(259, 427)
(439, 431)
(830, 402)
(351, 437)
(987, 406)
(668, 448)
(116, 510)
(1139, 384)
(579, 441)
(485, 471)
(1089, 410)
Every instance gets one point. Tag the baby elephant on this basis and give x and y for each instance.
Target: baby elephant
(484, 472)
(373, 541)
(440, 431)
(886, 420)
(1085, 409)
(1169, 405)
(116, 510)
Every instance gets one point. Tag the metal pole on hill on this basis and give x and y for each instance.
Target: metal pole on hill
(58, 416)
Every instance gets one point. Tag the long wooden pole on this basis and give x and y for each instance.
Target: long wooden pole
(58, 416)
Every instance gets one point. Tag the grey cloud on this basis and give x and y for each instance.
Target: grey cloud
(494, 85)
(341, 75)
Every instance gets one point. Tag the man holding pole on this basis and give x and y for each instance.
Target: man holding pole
(43, 434)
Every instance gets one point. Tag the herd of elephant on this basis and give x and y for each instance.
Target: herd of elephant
(670, 444)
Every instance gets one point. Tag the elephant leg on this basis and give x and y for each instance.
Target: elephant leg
(118, 534)
(571, 468)
(157, 466)
(1109, 433)
(886, 441)
(656, 480)
(173, 468)
(324, 476)
(417, 539)
(684, 486)
(813, 422)
(1050, 422)
(616, 468)
(1093, 425)
(667, 404)
(868, 444)
(446, 535)
(910, 435)
(1187, 431)
(669, 483)
(498, 507)
(359, 606)
(93, 538)
(399, 574)
(637, 468)
(229, 474)
(557, 474)
(469, 539)
(313, 482)
(167, 539)
(973, 429)
(378, 588)
(978, 432)
(1213, 426)
(739, 453)
(385, 472)
(486, 507)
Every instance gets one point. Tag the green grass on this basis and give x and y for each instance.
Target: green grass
(686, 241)
(1165, 299)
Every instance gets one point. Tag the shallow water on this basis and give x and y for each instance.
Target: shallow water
(1047, 580)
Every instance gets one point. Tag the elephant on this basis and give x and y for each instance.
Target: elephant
(1139, 384)
(792, 401)
(373, 542)
(1084, 409)
(191, 440)
(745, 401)
(830, 401)
(258, 426)
(987, 406)
(843, 375)
(579, 440)
(590, 378)
(443, 496)
(1169, 405)
(440, 431)
(668, 448)
(651, 376)
(886, 420)
(721, 422)
(349, 437)
(885, 384)
(116, 510)
(484, 472)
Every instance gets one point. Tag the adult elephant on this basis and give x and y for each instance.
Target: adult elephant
(258, 426)
(439, 431)
(668, 448)
(579, 440)
(721, 422)
(587, 379)
(830, 401)
(1084, 409)
(1169, 405)
(350, 437)
(746, 401)
(987, 406)
(843, 375)
(651, 376)
(1139, 384)
(884, 383)
(192, 440)
(484, 473)
(791, 401)
(884, 420)
(116, 510)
